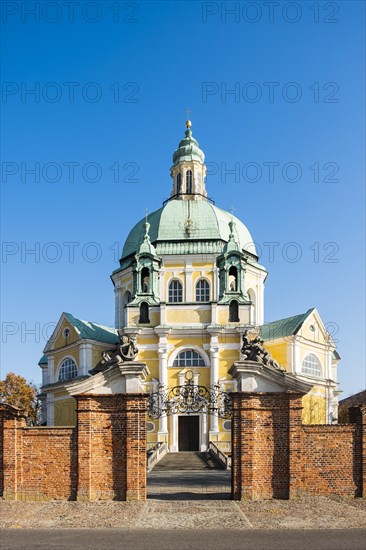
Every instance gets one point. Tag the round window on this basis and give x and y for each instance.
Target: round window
(150, 426)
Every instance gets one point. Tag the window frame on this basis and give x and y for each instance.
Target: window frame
(311, 371)
(195, 357)
(61, 366)
(208, 289)
(237, 320)
(179, 183)
(172, 281)
(144, 309)
(189, 182)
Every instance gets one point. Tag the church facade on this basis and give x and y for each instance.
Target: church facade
(188, 288)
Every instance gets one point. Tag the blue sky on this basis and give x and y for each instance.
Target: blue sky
(277, 96)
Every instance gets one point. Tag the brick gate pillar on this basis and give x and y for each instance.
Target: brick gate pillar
(296, 445)
(111, 432)
(242, 440)
(267, 435)
(135, 447)
(357, 415)
(12, 420)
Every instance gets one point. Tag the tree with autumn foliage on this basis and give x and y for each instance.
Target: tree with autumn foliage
(16, 391)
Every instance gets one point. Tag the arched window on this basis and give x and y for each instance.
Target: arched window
(311, 365)
(175, 293)
(145, 279)
(144, 313)
(179, 183)
(233, 279)
(189, 358)
(189, 182)
(202, 291)
(68, 370)
(126, 299)
(233, 312)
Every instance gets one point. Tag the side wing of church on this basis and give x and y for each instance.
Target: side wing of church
(188, 289)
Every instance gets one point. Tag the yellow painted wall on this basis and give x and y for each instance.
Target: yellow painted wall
(193, 315)
(226, 360)
(173, 375)
(318, 335)
(61, 341)
(223, 315)
(207, 275)
(314, 411)
(279, 351)
(65, 412)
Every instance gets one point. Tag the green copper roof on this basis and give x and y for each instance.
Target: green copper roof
(188, 150)
(189, 221)
(284, 327)
(43, 360)
(92, 331)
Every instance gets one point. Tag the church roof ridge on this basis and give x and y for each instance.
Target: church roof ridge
(284, 327)
(93, 331)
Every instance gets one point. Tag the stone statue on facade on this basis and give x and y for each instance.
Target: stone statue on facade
(126, 350)
(253, 350)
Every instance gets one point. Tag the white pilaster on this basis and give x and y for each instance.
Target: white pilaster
(50, 410)
(215, 283)
(51, 370)
(117, 306)
(214, 313)
(44, 374)
(163, 379)
(251, 315)
(295, 359)
(204, 432)
(260, 303)
(188, 285)
(214, 378)
(85, 359)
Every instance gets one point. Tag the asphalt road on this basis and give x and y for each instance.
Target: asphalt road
(113, 539)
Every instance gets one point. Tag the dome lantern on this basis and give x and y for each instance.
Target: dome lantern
(188, 170)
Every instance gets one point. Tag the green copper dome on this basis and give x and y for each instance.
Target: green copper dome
(189, 227)
(188, 150)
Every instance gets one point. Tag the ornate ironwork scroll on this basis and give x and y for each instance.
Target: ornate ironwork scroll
(189, 398)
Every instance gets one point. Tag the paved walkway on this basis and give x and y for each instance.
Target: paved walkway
(189, 484)
(156, 514)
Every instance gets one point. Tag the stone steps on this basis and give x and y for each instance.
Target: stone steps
(188, 460)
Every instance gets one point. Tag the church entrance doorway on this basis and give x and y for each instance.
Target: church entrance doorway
(188, 433)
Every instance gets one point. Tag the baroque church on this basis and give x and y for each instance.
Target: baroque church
(188, 291)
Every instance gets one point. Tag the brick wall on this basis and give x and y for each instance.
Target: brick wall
(275, 456)
(104, 457)
(48, 465)
(331, 460)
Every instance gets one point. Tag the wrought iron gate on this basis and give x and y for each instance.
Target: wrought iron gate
(189, 398)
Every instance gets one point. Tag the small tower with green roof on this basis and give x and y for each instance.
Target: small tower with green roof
(189, 169)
